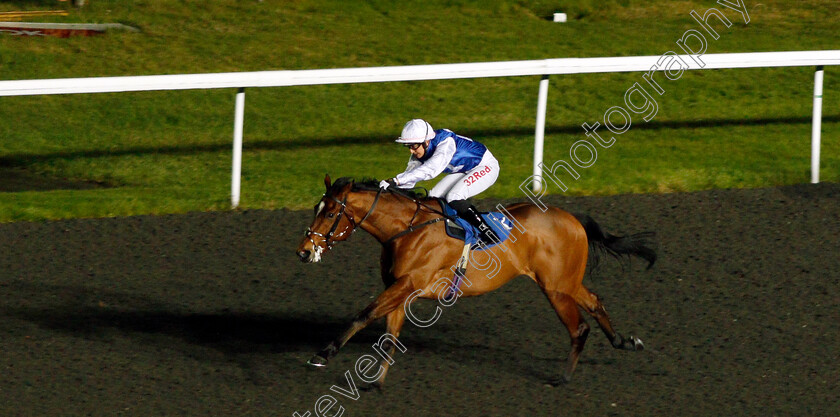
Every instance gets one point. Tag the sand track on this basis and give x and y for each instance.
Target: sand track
(211, 314)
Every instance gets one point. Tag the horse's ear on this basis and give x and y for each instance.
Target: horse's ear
(327, 181)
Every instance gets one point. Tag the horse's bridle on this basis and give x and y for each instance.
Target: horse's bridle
(328, 238)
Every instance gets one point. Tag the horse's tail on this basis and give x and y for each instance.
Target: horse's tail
(601, 242)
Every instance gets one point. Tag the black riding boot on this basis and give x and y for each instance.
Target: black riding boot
(469, 213)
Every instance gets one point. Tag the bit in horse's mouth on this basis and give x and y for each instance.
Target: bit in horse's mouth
(315, 256)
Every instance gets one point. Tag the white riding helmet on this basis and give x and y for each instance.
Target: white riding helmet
(416, 131)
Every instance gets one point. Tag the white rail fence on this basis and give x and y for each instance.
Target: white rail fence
(544, 68)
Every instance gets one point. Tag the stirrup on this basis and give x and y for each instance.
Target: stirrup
(460, 273)
(461, 265)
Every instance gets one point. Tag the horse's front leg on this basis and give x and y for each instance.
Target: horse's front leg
(395, 321)
(393, 297)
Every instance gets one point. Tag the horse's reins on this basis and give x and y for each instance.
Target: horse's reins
(412, 227)
(328, 238)
(417, 201)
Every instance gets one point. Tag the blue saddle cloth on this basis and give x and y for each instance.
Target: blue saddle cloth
(496, 220)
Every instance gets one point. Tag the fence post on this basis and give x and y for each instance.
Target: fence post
(238, 122)
(816, 125)
(539, 133)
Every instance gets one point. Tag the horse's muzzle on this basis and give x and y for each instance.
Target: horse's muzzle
(310, 256)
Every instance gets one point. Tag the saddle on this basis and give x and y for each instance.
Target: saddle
(460, 229)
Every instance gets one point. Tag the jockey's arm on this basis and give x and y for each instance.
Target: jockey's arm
(413, 162)
(433, 167)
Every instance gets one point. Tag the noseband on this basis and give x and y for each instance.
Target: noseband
(328, 238)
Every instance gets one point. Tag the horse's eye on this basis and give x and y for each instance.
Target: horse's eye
(331, 215)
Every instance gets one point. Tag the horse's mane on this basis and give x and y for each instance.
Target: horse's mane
(372, 184)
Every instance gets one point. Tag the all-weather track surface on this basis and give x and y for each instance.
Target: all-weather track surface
(211, 314)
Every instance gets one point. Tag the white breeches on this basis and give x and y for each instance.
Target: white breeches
(464, 185)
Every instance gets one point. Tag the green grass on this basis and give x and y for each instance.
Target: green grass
(170, 152)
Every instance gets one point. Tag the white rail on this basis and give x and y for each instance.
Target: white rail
(544, 68)
(816, 124)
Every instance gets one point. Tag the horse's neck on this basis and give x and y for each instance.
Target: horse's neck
(392, 215)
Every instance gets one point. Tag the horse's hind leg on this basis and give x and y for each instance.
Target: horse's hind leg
(590, 302)
(567, 311)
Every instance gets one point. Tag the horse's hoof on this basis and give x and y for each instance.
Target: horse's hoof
(317, 361)
(376, 386)
(558, 381)
(637, 343)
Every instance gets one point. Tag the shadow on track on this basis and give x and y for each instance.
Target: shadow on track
(232, 333)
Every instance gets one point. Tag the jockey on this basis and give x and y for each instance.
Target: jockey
(470, 165)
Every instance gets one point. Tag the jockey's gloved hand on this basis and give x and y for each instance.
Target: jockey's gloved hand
(384, 184)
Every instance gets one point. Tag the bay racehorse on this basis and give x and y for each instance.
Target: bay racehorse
(551, 247)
